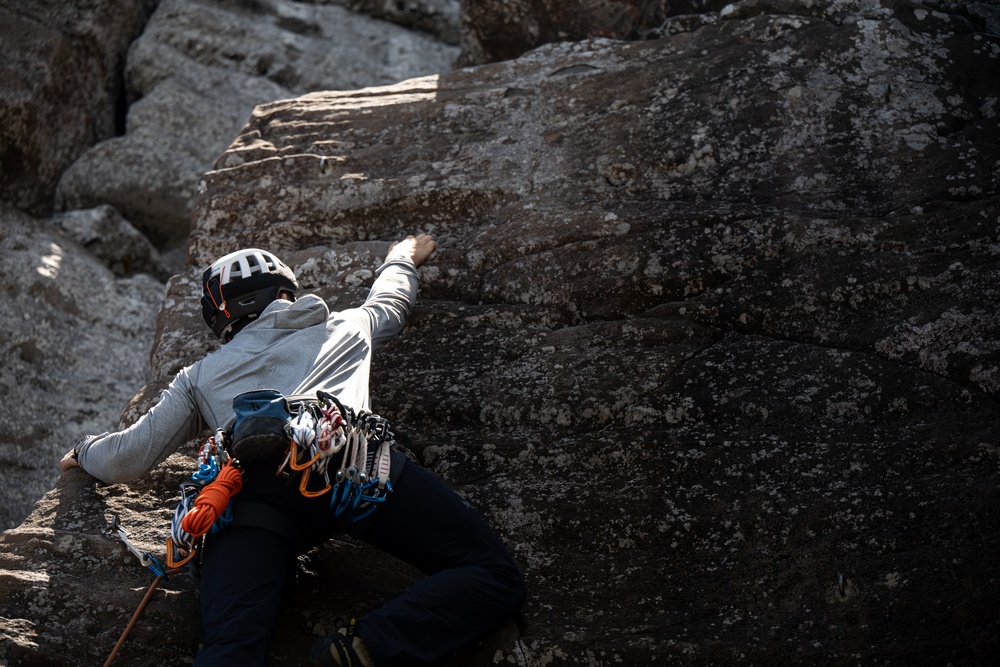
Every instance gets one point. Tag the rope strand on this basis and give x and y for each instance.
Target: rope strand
(212, 501)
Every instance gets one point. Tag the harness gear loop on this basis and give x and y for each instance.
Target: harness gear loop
(321, 430)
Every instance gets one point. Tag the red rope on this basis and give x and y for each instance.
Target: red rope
(135, 617)
(212, 501)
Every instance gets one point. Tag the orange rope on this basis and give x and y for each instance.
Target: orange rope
(135, 616)
(212, 501)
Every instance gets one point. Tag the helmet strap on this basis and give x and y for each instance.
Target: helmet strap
(214, 287)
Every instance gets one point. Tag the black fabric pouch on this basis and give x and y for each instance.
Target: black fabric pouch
(259, 432)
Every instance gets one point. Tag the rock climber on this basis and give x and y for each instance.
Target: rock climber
(296, 346)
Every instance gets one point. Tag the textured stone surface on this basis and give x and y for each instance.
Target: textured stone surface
(60, 88)
(440, 18)
(198, 70)
(708, 338)
(495, 30)
(505, 29)
(75, 346)
(113, 241)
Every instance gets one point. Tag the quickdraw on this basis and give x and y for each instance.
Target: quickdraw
(205, 505)
(325, 428)
(116, 529)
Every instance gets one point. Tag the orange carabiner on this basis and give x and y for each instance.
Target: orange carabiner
(295, 455)
(310, 494)
(171, 563)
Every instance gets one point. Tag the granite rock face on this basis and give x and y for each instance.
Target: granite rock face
(113, 241)
(60, 85)
(440, 18)
(709, 339)
(197, 72)
(187, 89)
(495, 30)
(75, 345)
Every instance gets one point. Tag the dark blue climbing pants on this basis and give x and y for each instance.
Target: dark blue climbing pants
(472, 583)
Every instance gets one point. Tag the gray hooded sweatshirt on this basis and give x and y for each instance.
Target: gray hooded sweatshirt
(295, 348)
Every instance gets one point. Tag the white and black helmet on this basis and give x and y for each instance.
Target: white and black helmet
(238, 287)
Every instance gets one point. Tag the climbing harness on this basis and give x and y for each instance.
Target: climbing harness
(321, 434)
(322, 429)
(206, 500)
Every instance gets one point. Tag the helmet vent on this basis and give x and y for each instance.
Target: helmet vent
(249, 280)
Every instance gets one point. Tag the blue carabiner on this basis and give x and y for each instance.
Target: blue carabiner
(155, 568)
(224, 520)
(206, 472)
(340, 497)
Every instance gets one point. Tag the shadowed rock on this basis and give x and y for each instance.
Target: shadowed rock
(60, 88)
(495, 30)
(75, 345)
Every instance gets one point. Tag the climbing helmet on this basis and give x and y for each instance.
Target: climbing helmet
(238, 287)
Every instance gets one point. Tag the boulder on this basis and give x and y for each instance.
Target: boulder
(707, 339)
(75, 346)
(113, 241)
(495, 30)
(504, 29)
(60, 88)
(195, 75)
(440, 18)
(151, 172)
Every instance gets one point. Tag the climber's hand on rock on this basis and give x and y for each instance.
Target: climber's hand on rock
(417, 248)
(69, 461)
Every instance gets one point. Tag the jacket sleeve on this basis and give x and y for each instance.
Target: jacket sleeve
(129, 454)
(389, 302)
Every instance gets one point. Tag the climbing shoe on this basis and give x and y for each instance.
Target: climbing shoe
(341, 649)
